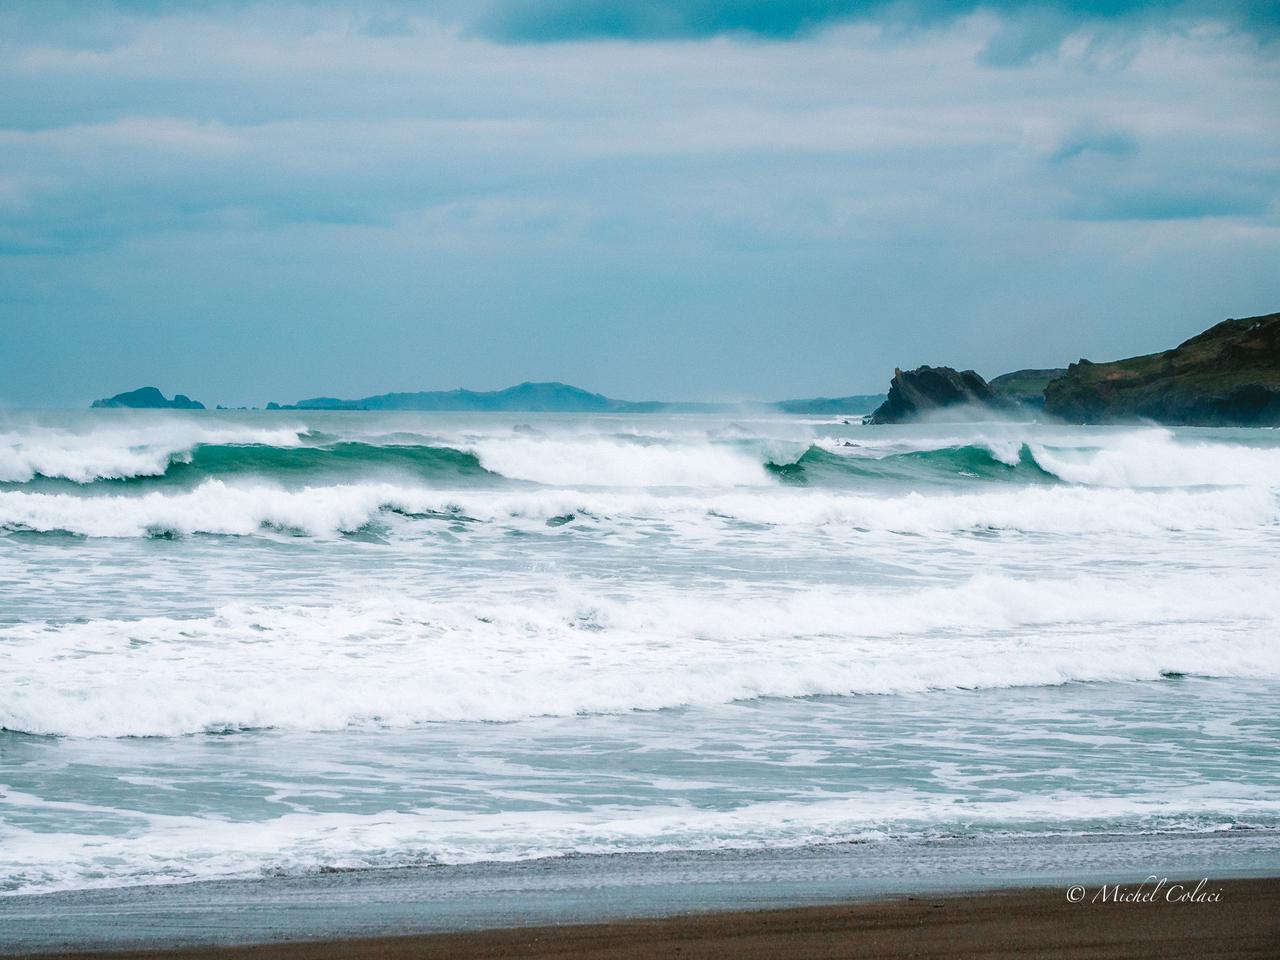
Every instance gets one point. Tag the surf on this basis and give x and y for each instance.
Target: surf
(550, 648)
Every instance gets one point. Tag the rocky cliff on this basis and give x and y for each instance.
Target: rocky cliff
(1227, 376)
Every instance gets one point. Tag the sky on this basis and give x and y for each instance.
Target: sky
(671, 199)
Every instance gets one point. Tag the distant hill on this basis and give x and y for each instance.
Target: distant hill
(832, 406)
(526, 397)
(1227, 376)
(1026, 386)
(561, 398)
(149, 398)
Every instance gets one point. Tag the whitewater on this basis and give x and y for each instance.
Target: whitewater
(247, 644)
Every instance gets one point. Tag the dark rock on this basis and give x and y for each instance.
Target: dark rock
(925, 389)
(149, 398)
(1227, 376)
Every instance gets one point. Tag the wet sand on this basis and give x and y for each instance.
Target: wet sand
(1021, 923)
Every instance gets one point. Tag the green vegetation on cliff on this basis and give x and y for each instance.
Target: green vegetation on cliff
(1227, 376)
(1025, 386)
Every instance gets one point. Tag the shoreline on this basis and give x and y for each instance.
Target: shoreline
(215, 918)
(1243, 921)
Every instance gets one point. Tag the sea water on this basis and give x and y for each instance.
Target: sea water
(246, 645)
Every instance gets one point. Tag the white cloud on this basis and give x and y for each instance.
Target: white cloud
(852, 173)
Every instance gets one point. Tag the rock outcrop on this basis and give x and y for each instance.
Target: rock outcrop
(1227, 376)
(149, 398)
(913, 393)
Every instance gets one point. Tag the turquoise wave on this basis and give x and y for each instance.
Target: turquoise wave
(819, 467)
(325, 460)
(332, 462)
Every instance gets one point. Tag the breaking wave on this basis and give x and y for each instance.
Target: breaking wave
(180, 456)
(146, 449)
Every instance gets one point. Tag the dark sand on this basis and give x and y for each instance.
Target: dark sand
(1023, 923)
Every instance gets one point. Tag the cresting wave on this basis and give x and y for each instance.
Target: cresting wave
(332, 461)
(1145, 459)
(242, 481)
(179, 453)
(122, 451)
(396, 661)
(836, 466)
(181, 456)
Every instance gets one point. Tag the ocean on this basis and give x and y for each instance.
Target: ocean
(247, 646)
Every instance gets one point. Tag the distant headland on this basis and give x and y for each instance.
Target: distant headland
(1227, 376)
(524, 398)
(554, 397)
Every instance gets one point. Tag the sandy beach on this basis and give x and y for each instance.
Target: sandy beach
(1243, 922)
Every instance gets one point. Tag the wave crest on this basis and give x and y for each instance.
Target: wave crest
(118, 452)
(183, 454)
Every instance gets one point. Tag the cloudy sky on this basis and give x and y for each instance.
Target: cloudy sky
(666, 199)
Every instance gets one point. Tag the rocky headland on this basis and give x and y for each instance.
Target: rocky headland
(1227, 376)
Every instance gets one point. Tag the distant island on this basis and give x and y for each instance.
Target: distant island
(1229, 375)
(523, 398)
(556, 397)
(149, 398)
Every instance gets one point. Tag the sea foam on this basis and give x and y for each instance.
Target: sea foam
(177, 849)
(520, 653)
(217, 507)
(121, 451)
(360, 598)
